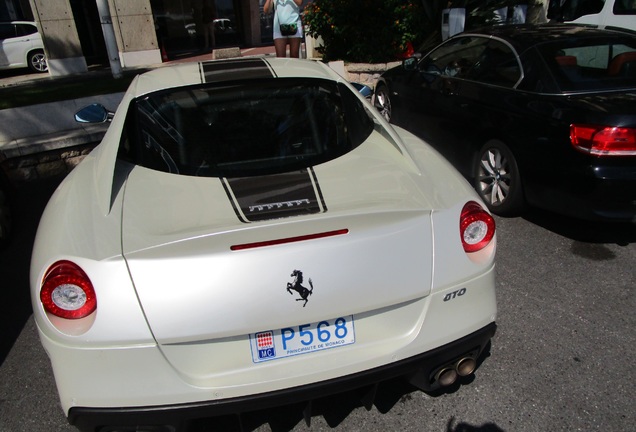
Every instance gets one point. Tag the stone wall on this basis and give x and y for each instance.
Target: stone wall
(367, 73)
(47, 164)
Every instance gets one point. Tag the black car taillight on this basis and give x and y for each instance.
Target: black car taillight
(603, 140)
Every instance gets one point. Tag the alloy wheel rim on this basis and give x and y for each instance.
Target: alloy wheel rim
(383, 104)
(39, 62)
(494, 177)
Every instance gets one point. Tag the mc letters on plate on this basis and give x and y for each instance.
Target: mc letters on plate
(302, 339)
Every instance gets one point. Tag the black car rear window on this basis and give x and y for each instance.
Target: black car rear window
(243, 129)
(592, 64)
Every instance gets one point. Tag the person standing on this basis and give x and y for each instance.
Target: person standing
(287, 26)
(209, 14)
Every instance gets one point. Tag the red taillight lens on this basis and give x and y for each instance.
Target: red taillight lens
(603, 140)
(67, 292)
(476, 227)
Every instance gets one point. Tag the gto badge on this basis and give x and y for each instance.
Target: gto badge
(458, 293)
(299, 288)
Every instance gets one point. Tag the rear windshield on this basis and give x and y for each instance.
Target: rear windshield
(244, 129)
(599, 64)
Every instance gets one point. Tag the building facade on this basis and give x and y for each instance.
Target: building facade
(78, 34)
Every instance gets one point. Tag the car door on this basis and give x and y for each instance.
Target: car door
(16, 47)
(435, 102)
(483, 102)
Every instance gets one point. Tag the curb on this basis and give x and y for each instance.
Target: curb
(54, 142)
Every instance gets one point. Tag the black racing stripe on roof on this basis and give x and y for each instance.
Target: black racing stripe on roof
(275, 196)
(239, 69)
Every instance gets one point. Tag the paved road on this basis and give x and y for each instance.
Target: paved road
(561, 360)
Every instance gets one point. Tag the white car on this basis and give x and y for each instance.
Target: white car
(21, 46)
(252, 232)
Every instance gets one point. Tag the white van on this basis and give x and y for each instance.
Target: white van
(608, 13)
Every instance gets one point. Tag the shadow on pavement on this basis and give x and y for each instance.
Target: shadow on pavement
(620, 233)
(15, 258)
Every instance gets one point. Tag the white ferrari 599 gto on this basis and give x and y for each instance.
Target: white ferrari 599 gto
(249, 233)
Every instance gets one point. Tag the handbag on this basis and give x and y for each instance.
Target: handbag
(288, 29)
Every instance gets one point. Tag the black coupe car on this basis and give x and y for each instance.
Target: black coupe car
(541, 115)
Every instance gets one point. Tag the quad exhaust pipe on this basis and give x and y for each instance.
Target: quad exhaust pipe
(448, 374)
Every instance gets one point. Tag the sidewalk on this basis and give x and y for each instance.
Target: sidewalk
(44, 140)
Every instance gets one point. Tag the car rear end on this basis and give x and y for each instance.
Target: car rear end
(233, 330)
(596, 113)
(240, 286)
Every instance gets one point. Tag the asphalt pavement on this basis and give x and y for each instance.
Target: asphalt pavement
(560, 361)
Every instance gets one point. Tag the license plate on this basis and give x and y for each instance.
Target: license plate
(302, 339)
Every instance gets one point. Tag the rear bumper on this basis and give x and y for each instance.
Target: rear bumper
(418, 370)
(594, 193)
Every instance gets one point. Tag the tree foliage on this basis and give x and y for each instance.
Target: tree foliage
(367, 31)
(372, 31)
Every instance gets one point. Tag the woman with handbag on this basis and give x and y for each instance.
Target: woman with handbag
(287, 26)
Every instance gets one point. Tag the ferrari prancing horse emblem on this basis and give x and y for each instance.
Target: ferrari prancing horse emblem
(297, 286)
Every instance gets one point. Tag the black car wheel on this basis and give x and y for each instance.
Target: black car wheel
(497, 179)
(382, 101)
(37, 61)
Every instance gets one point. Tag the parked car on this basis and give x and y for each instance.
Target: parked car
(21, 46)
(609, 13)
(249, 233)
(540, 115)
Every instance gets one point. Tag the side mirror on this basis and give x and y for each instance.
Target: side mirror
(363, 89)
(410, 63)
(95, 113)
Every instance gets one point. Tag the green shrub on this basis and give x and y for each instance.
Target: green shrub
(365, 31)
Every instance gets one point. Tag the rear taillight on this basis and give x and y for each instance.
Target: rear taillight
(67, 292)
(476, 227)
(603, 140)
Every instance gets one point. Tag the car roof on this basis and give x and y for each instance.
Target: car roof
(17, 22)
(524, 36)
(245, 68)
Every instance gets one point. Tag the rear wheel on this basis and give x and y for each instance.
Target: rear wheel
(382, 101)
(37, 61)
(497, 179)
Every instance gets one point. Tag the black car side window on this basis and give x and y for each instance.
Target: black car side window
(497, 65)
(7, 31)
(455, 58)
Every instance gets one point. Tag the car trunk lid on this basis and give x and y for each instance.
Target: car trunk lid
(204, 270)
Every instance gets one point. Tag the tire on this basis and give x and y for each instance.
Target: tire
(497, 179)
(37, 61)
(382, 101)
